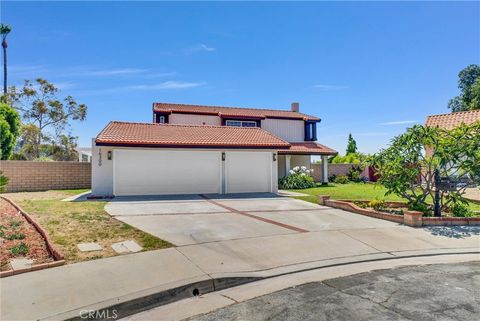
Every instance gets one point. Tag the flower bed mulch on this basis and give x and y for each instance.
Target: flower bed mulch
(19, 238)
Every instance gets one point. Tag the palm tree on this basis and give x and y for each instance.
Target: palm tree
(4, 31)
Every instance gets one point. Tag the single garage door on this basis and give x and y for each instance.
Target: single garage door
(248, 172)
(157, 172)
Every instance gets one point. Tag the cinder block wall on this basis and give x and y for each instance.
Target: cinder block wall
(334, 169)
(27, 176)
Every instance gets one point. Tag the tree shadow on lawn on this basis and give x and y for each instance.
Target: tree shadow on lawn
(457, 232)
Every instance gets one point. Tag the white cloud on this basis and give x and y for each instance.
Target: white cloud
(399, 122)
(199, 48)
(27, 71)
(207, 48)
(330, 87)
(167, 85)
(64, 85)
(109, 72)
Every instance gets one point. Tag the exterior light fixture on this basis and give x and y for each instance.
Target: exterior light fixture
(223, 156)
(109, 155)
(274, 157)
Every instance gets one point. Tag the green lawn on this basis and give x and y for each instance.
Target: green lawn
(354, 191)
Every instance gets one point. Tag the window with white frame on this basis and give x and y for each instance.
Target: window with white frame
(241, 123)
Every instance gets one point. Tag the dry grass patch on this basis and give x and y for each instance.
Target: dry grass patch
(70, 223)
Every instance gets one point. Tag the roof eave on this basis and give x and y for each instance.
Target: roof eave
(287, 152)
(187, 146)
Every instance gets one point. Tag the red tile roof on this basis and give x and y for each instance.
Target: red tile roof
(165, 135)
(309, 148)
(231, 111)
(452, 120)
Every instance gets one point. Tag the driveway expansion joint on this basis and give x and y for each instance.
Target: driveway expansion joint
(266, 220)
(354, 238)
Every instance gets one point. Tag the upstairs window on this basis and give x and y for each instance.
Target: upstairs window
(310, 131)
(241, 123)
(161, 119)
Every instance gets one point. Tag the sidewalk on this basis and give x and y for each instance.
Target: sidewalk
(63, 292)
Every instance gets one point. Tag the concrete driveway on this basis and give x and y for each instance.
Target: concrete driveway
(198, 219)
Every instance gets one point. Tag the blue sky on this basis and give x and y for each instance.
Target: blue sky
(370, 69)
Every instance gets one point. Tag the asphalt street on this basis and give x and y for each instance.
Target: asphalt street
(432, 292)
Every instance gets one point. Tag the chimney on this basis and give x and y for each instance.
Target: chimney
(296, 107)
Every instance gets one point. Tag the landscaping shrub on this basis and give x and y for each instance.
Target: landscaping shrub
(461, 210)
(341, 179)
(3, 182)
(299, 178)
(420, 207)
(355, 174)
(360, 204)
(20, 249)
(377, 205)
(16, 236)
(15, 223)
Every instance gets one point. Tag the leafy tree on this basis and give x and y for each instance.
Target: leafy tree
(27, 142)
(407, 167)
(351, 145)
(42, 108)
(9, 130)
(64, 148)
(353, 158)
(469, 85)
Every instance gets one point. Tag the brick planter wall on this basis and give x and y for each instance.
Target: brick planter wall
(27, 176)
(410, 218)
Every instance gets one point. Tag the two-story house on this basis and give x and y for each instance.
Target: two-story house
(192, 149)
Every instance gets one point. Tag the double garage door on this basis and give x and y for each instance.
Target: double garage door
(160, 172)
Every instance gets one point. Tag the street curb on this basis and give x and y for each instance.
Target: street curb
(147, 302)
(143, 303)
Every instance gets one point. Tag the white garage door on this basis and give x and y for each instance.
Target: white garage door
(248, 172)
(157, 172)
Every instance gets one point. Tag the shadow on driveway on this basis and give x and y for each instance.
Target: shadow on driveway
(457, 232)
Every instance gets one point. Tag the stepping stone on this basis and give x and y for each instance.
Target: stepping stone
(23, 263)
(88, 247)
(126, 246)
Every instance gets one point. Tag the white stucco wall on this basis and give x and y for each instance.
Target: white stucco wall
(191, 119)
(295, 160)
(300, 160)
(102, 171)
(287, 129)
(102, 175)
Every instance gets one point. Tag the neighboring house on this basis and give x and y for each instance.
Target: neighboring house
(84, 154)
(453, 120)
(191, 149)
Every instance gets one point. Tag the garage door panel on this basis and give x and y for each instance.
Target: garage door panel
(248, 172)
(154, 172)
